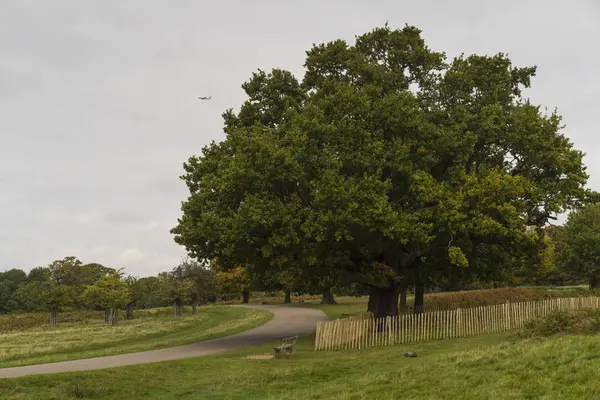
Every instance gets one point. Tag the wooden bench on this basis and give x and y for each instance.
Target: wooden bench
(287, 345)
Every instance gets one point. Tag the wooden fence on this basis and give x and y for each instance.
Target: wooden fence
(363, 332)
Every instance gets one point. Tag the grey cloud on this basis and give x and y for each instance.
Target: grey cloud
(98, 105)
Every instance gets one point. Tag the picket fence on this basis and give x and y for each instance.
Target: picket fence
(363, 331)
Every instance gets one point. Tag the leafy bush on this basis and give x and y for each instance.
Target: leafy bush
(585, 322)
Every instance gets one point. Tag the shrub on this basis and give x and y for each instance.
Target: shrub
(582, 322)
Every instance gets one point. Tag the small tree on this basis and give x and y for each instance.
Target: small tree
(175, 290)
(206, 284)
(53, 297)
(109, 292)
(578, 251)
(236, 280)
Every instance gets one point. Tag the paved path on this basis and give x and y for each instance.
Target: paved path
(287, 321)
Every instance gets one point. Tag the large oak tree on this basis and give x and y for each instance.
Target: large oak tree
(386, 165)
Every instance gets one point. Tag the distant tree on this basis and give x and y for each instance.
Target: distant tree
(540, 269)
(15, 276)
(39, 274)
(71, 272)
(28, 296)
(205, 283)
(236, 280)
(53, 297)
(110, 292)
(579, 248)
(176, 290)
(94, 271)
(146, 292)
(10, 281)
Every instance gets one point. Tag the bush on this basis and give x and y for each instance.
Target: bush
(579, 322)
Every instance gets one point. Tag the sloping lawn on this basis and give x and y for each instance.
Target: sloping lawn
(490, 367)
(149, 330)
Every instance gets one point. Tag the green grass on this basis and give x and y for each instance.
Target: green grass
(488, 367)
(345, 306)
(152, 329)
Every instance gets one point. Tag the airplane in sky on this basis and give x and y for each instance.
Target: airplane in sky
(205, 98)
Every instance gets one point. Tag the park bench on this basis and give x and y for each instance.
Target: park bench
(287, 345)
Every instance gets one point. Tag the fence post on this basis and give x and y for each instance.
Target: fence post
(318, 335)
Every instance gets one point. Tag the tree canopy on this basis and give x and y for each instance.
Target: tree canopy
(579, 246)
(387, 164)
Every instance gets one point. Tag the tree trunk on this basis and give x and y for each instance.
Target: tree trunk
(129, 311)
(403, 303)
(54, 317)
(594, 283)
(288, 297)
(328, 297)
(114, 315)
(419, 307)
(194, 306)
(383, 302)
(107, 316)
(245, 297)
(177, 311)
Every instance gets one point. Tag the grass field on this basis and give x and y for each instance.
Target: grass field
(151, 329)
(489, 367)
(345, 306)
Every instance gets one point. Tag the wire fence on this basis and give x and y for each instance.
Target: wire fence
(363, 331)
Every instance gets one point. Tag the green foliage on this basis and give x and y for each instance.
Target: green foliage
(582, 322)
(205, 284)
(387, 165)
(175, 290)
(234, 281)
(110, 291)
(53, 296)
(38, 274)
(27, 297)
(9, 283)
(579, 245)
(145, 292)
(457, 257)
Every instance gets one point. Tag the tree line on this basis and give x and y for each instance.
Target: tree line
(386, 166)
(69, 284)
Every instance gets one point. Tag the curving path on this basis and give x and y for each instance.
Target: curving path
(286, 321)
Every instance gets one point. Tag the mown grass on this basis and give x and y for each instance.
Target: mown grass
(489, 367)
(345, 306)
(151, 329)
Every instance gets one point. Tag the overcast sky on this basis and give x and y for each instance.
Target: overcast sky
(99, 108)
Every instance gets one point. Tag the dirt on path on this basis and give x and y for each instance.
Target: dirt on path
(286, 321)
